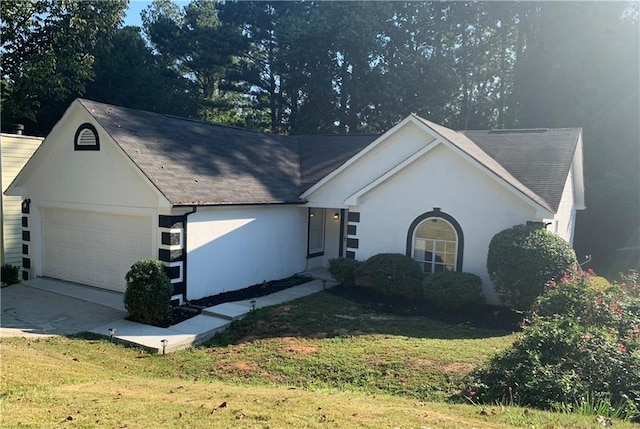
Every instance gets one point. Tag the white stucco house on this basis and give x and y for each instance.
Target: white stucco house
(226, 208)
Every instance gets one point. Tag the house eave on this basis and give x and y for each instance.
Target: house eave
(233, 204)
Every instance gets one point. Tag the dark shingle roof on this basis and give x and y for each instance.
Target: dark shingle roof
(540, 159)
(192, 162)
(199, 163)
(320, 155)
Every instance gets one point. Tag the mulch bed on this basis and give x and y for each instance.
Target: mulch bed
(193, 308)
(481, 316)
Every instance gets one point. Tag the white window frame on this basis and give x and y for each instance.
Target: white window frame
(435, 241)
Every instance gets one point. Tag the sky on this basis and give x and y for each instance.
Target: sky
(132, 16)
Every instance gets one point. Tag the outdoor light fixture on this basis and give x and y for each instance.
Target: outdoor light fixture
(164, 345)
(336, 216)
(324, 284)
(312, 215)
(112, 332)
(253, 304)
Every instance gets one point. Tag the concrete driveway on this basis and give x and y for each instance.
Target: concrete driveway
(32, 310)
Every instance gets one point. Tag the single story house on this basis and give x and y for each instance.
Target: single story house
(15, 151)
(226, 208)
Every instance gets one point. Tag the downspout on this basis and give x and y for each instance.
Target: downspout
(184, 260)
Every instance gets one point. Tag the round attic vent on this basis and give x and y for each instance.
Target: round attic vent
(86, 138)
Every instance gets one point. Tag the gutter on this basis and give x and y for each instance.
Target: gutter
(185, 258)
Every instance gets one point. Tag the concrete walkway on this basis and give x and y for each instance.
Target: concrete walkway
(44, 307)
(203, 326)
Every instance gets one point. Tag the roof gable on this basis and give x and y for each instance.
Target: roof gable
(199, 163)
(60, 172)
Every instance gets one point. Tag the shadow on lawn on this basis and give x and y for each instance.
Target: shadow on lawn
(349, 311)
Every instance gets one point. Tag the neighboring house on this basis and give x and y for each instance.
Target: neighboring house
(226, 208)
(15, 151)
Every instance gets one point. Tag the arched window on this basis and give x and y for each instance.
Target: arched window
(435, 242)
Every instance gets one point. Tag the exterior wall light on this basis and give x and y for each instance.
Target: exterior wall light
(336, 216)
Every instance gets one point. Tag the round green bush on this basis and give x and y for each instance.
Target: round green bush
(343, 270)
(10, 274)
(522, 259)
(580, 351)
(452, 289)
(148, 292)
(392, 274)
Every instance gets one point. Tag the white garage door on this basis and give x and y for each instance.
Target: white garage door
(93, 248)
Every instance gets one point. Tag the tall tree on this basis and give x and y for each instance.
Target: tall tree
(194, 43)
(129, 74)
(580, 69)
(48, 50)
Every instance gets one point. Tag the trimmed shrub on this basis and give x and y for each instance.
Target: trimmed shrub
(392, 274)
(522, 259)
(343, 270)
(453, 290)
(10, 274)
(148, 292)
(582, 347)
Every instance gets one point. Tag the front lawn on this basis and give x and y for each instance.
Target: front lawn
(321, 361)
(327, 341)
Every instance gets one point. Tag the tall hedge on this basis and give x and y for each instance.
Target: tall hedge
(523, 258)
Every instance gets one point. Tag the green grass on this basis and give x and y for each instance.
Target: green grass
(329, 342)
(320, 362)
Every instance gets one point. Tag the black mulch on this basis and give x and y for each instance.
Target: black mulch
(481, 316)
(193, 308)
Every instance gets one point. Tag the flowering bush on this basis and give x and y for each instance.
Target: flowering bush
(582, 345)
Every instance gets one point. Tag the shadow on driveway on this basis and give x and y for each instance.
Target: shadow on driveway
(29, 311)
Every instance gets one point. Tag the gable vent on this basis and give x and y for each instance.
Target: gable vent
(86, 138)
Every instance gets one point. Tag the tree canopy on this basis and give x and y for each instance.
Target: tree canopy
(352, 67)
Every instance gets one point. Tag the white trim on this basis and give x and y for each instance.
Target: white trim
(578, 175)
(178, 231)
(326, 204)
(352, 200)
(103, 208)
(357, 156)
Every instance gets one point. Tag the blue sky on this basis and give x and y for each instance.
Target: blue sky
(132, 16)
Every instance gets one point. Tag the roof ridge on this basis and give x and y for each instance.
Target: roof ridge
(182, 118)
(516, 130)
(335, 135)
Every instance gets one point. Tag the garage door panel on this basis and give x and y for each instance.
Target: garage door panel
(94, 248)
